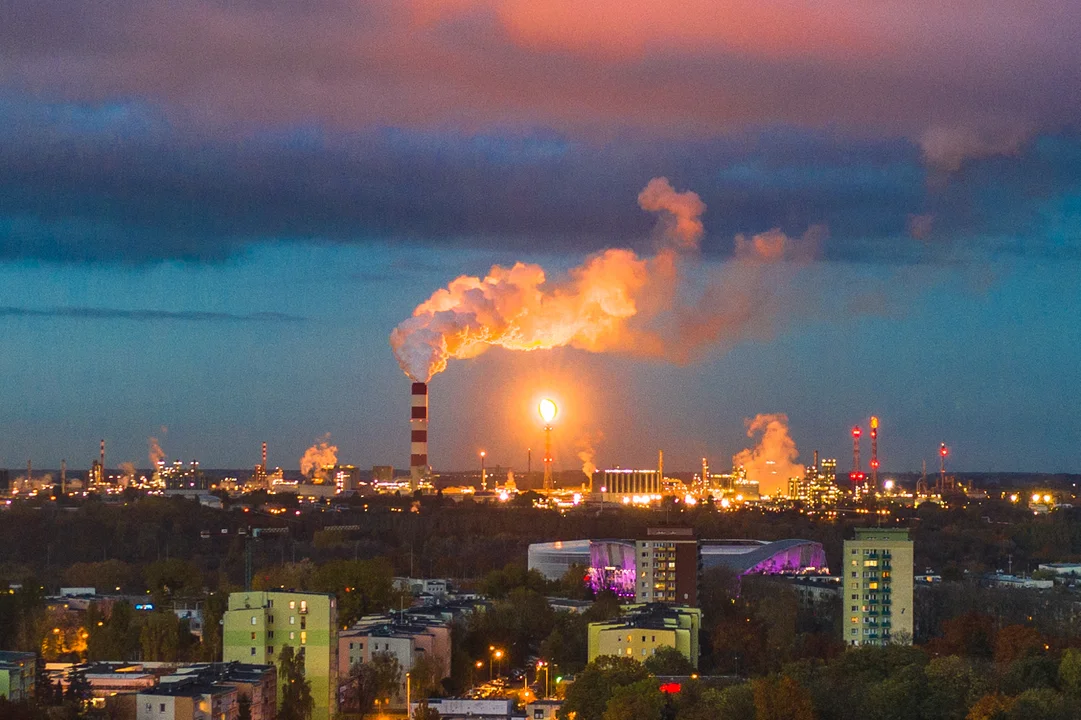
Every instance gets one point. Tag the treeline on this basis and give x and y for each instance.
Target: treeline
(435, 537)
(874, 683)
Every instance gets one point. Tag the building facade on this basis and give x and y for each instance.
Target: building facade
(877, 591)
(669, 564)
(18, 672)
(259, 624)
(646, 628)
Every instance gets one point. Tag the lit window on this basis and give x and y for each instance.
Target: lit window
(252, 619)
(292, 604)
(304, 638)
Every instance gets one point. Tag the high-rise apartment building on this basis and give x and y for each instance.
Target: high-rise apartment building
(877, 567)
(259, 624)
(668, 565)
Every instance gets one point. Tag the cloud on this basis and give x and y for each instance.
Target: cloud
(87, 313)
(602, 67)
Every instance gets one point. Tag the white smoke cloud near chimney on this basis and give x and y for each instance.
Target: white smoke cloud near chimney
(155, 453)
(320, 455)
(615, 301)
(773, 460)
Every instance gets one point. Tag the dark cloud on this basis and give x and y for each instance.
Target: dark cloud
(123, 183)
(87, 313)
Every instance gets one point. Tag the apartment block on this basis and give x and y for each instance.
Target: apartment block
(644, 629)
(258, 624)
(668, 566)
(878, 579)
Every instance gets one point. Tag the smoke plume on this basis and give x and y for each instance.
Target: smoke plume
(156, 454)
(616, 301)
(127, 470)
(773, 460)
(586, 453)
(318, 456)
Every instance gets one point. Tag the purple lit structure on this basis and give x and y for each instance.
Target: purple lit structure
(612, 567)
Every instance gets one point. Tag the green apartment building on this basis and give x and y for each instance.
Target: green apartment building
(18, 671)
(259, 624)
(877, 571)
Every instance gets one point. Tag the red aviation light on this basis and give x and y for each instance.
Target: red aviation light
(874, 464)
(943, 451)
(856, 431)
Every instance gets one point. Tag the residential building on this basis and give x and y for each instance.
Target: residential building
(18, 671)
(644, 629)
(406, 638)
(878, 581)
(257, 683)
(258, 624)
(187, 700)
(669, 564)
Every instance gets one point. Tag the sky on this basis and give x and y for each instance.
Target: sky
(213, 215)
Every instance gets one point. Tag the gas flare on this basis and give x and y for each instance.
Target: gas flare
(773, 461)
(615, 301)
(320, 455)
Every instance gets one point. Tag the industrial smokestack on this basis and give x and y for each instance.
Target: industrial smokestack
(102, 477)
(264, 457)
(418, 422)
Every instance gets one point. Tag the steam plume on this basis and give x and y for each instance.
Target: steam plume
(773, 460)
(156, 454)
(127, 470)
(587, 454)
(318, 456)
(614, 301)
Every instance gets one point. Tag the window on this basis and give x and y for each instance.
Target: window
(161, 707)
(304, 639)
(854, 608)
(269, 649)
(292, 635)
(253, 636)
(252, 619)
(270, 618)
(253, 651)
(303, 606)
(303, 623)
(292, 604)
(270, 603)
(292, 619)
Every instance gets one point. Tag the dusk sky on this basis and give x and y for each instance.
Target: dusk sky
(213, 214)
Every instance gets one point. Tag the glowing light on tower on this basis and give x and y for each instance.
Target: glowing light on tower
(856, 476)
(548, 411)
(943, 451)
(874, 452)
(483, 472)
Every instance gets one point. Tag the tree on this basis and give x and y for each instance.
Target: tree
(781, 698)
(1014, 642)
(993, 706)
(160, 636)
(1069, 672)
(296, 691)
(642, 700)
(587, 697)
(381, 677)
(425, 676)
(668, 661)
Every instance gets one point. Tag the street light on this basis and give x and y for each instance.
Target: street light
(499, 657)
(544, 664)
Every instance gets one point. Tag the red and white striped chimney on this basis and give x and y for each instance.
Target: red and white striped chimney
(418, 421)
